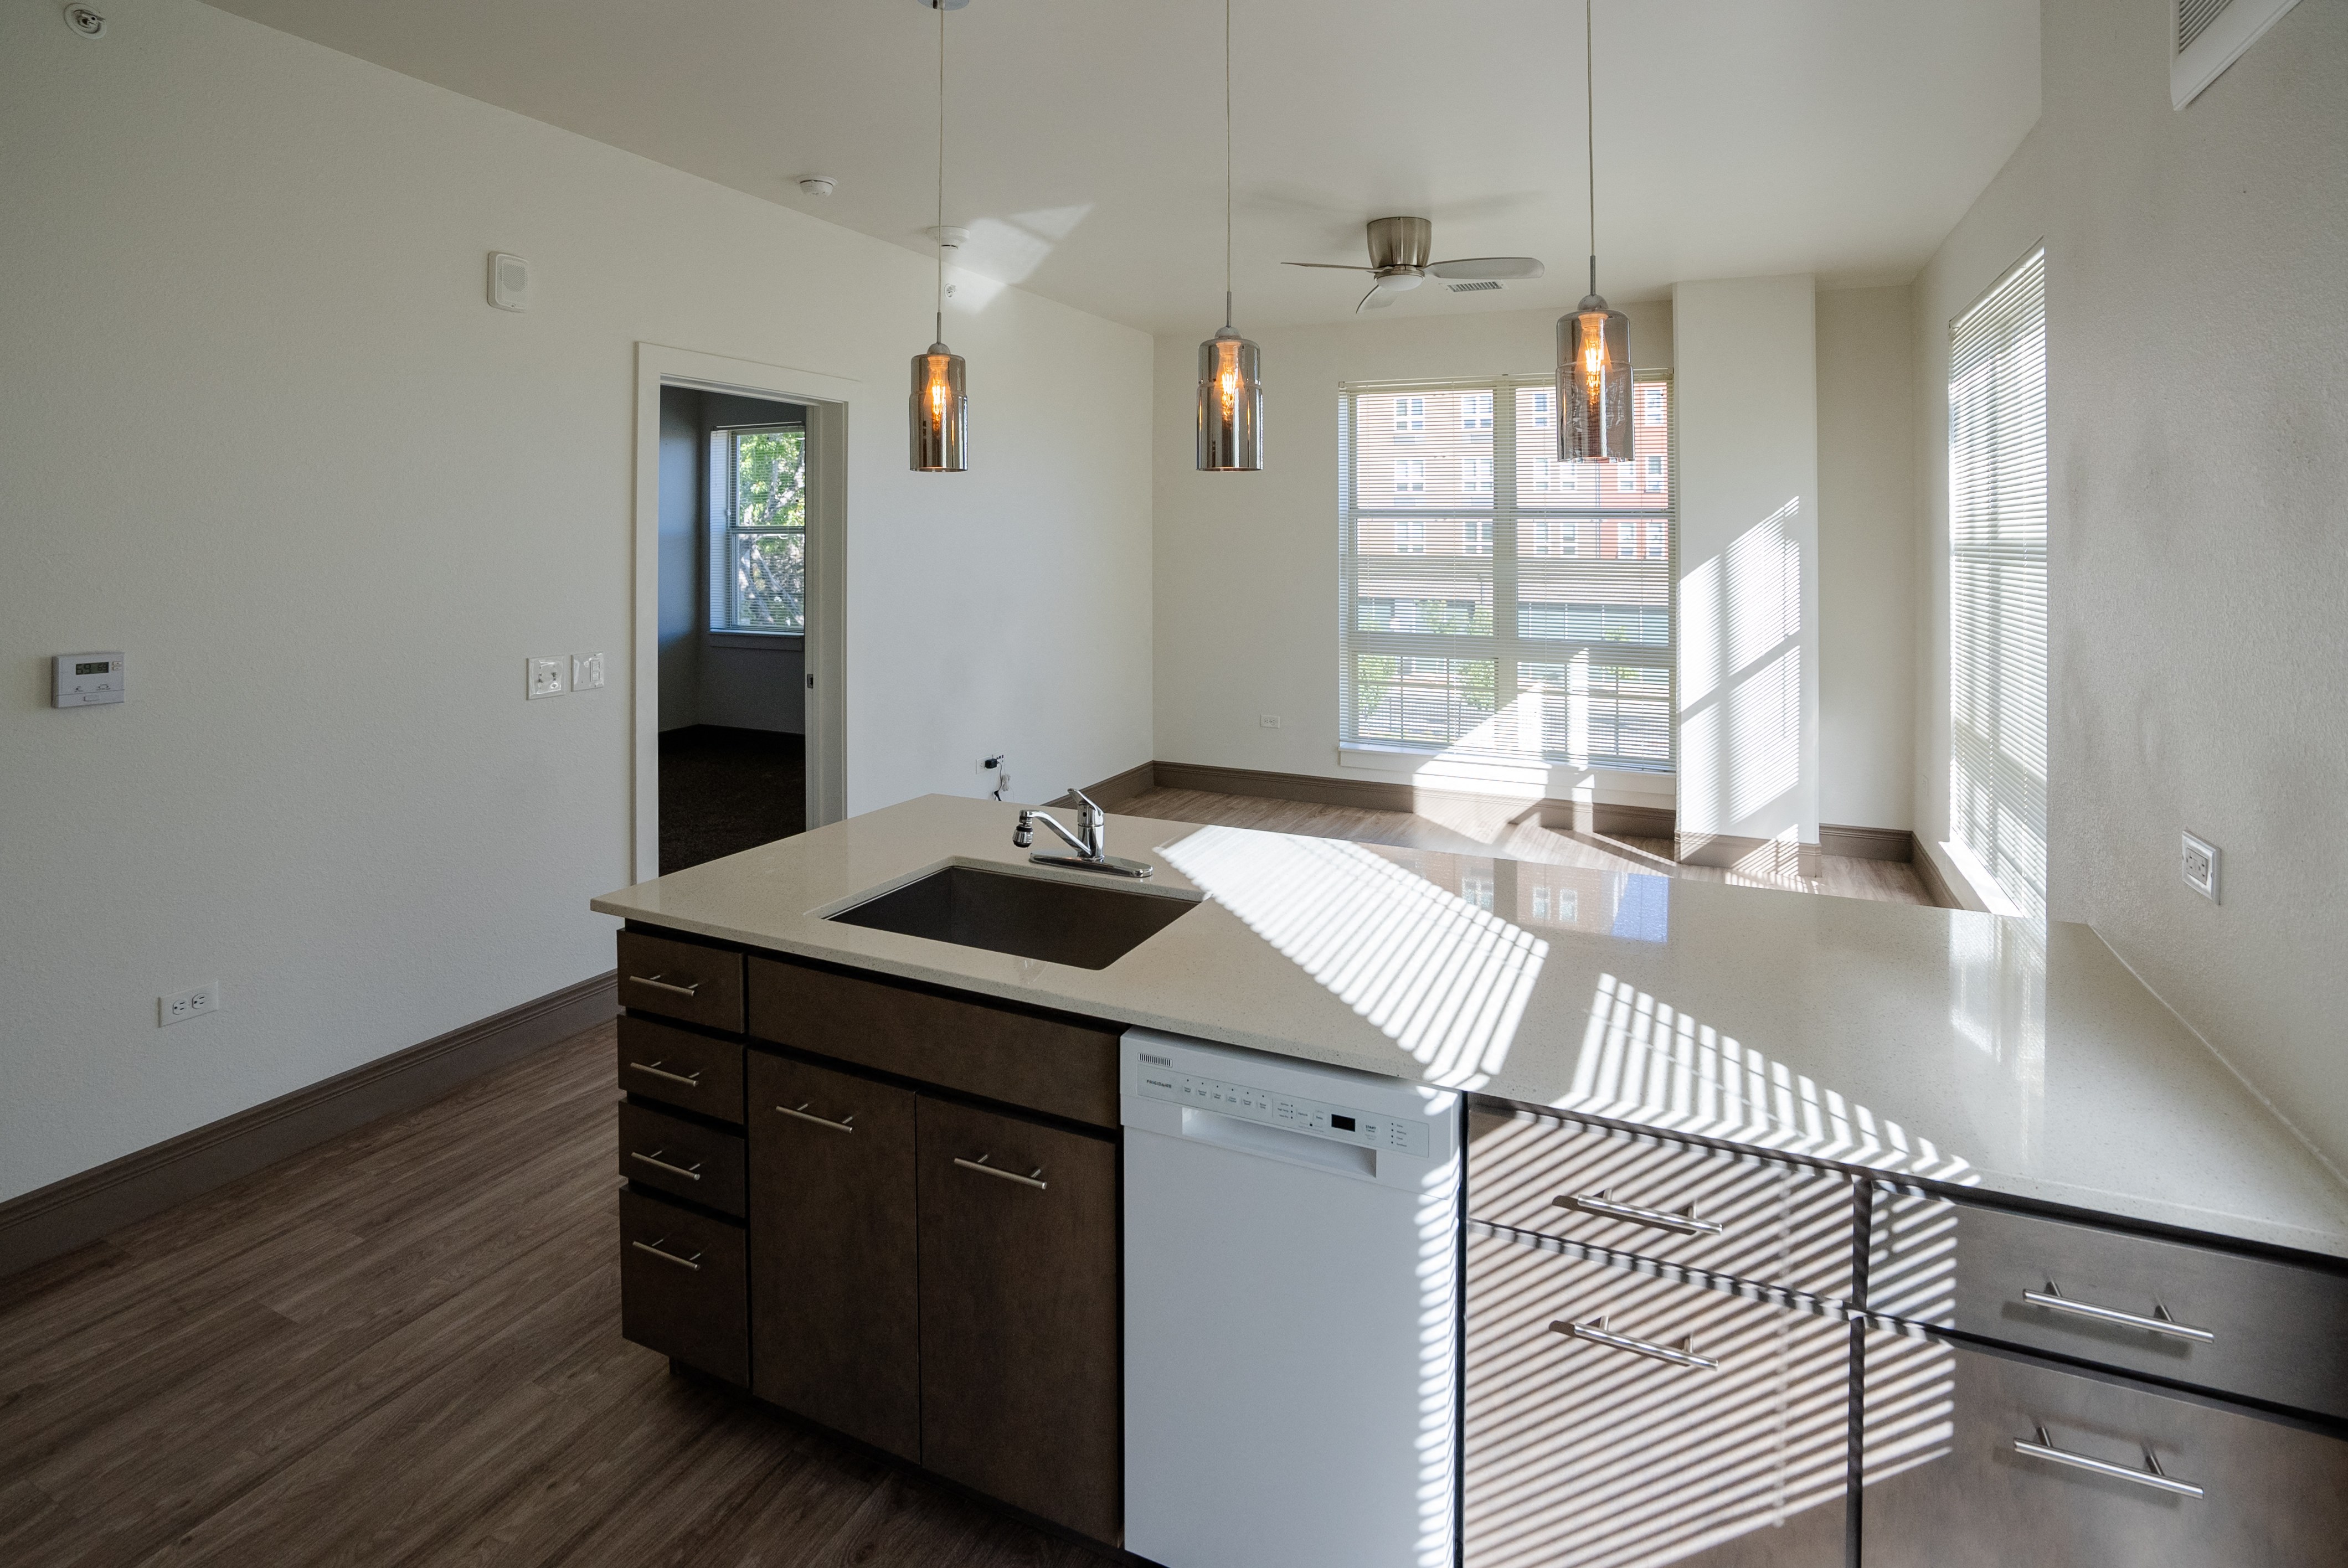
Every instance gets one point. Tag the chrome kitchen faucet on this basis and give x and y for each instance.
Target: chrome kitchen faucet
(1091, 849)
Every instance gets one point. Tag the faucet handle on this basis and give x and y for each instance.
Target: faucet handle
(1087, 801)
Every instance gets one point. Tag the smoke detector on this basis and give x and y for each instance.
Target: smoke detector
(951, 236)
(817, 184)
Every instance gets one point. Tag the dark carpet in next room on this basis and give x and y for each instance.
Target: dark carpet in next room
(724, 790)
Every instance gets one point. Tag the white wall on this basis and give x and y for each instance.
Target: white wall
(2198, 375)
(262, 431)
(1867, 557)
(1246, 579)
(1747, 563)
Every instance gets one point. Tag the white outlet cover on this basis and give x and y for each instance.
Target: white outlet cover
(586, 671)
(546, 678)
(2200, 867)
(1269, 720)
(193, 1002)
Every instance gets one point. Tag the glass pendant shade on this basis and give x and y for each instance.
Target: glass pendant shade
(1231, 406)
(940, 412)
(1593, 383)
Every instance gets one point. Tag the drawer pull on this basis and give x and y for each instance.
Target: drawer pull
(653, 1247)
(805, 1115)
(690, 1080)
(2150, 1475)
(1684, 1223)
(1597, 1333)
(657, 1163)
(2162, 1323)
(984, 1169)
(659, 984)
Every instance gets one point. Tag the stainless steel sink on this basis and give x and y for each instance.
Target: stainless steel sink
(1085, 924)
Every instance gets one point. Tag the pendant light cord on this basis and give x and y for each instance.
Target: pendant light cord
(1590, 130)
(1227, 165)
(941, 235)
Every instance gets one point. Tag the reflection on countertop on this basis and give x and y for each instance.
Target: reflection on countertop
(1933, 1043)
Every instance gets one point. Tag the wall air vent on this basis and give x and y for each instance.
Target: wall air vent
(2211, 35)
(1478, 287)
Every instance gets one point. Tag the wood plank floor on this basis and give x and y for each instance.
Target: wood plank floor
(1494, 829)
(402, 1347)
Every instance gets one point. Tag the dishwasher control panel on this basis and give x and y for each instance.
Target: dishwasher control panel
(1315, 1118)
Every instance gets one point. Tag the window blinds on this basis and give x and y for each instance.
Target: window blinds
(1494, 600)
(1997, 582)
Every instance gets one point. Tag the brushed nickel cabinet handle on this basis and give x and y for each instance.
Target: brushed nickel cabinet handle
(1598, 1203)
(2151, 1475)
(2161, 1323)
(657, 1163)
(984, 1169)
(659, 984)
(1597, 1333)
(803, 1114)
(690, 1080)
(653, 1247)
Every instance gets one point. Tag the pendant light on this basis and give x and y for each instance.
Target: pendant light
(1593, 343)
(940, 409)
(1231, 387)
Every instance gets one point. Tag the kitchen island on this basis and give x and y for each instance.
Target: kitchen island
(1895, 1119)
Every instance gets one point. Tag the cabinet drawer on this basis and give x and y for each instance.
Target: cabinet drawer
(682, 1289)
(1947, 1487)
(2217, 1320)
(681, 979)
(680, 1068)
(1060, 1066)
(1583, 1452)
(1743, 1215)
(672, 1154)
(834, 1283)
(1022, 1389)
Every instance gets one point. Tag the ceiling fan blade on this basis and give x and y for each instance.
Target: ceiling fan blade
(1486, 267)
(1378, 298)
(1330, 266)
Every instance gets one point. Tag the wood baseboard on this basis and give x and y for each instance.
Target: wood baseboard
(1383, 795)
(1116, 787)
(1752, 856)
(52, 1220)
(1867, 843)
(1935, 888)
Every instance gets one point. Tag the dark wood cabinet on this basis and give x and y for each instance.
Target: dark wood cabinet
(684, 1159)
(681, 1285)
(1021, 1389)
(834, 1253)
(680, 979)
(697, 1073)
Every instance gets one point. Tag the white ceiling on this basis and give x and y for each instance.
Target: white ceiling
(1736, 137)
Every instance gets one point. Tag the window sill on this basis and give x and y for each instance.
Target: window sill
(1476, 773)
(772, 641)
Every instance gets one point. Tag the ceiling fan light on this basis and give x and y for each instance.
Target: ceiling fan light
(1593, 383)
(940, 413)
(1231, 406)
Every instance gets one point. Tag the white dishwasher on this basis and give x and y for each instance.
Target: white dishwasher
(1291, 1311)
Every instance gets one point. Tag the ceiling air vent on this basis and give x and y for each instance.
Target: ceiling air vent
(1478, 287)
(2212, 35)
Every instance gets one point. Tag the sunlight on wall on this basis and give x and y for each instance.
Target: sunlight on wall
(1440, 977)
(1741, 684)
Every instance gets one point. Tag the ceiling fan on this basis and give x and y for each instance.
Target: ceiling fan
(1398, 251)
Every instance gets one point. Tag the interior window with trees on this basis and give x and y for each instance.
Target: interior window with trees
(1476, 621)
(757, 529)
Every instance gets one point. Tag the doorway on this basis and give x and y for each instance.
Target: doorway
(738, 521)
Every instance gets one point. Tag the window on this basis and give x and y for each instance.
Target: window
(1651, 405)
(1997, 583)
(1505, 603)
(757, 535)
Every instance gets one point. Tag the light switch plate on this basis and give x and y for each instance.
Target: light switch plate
(546, 678)
(2201, 868)
(586, 671)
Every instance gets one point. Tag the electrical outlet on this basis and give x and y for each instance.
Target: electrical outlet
(1269, 721)
(2201, 868)
(204, 999)
(586, 671)
(546, 678)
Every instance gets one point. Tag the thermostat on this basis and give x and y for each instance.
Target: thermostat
(85, 679)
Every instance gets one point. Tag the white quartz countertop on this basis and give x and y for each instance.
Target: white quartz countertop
(1936, 1043)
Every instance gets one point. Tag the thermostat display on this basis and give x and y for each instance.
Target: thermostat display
(85, 679)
